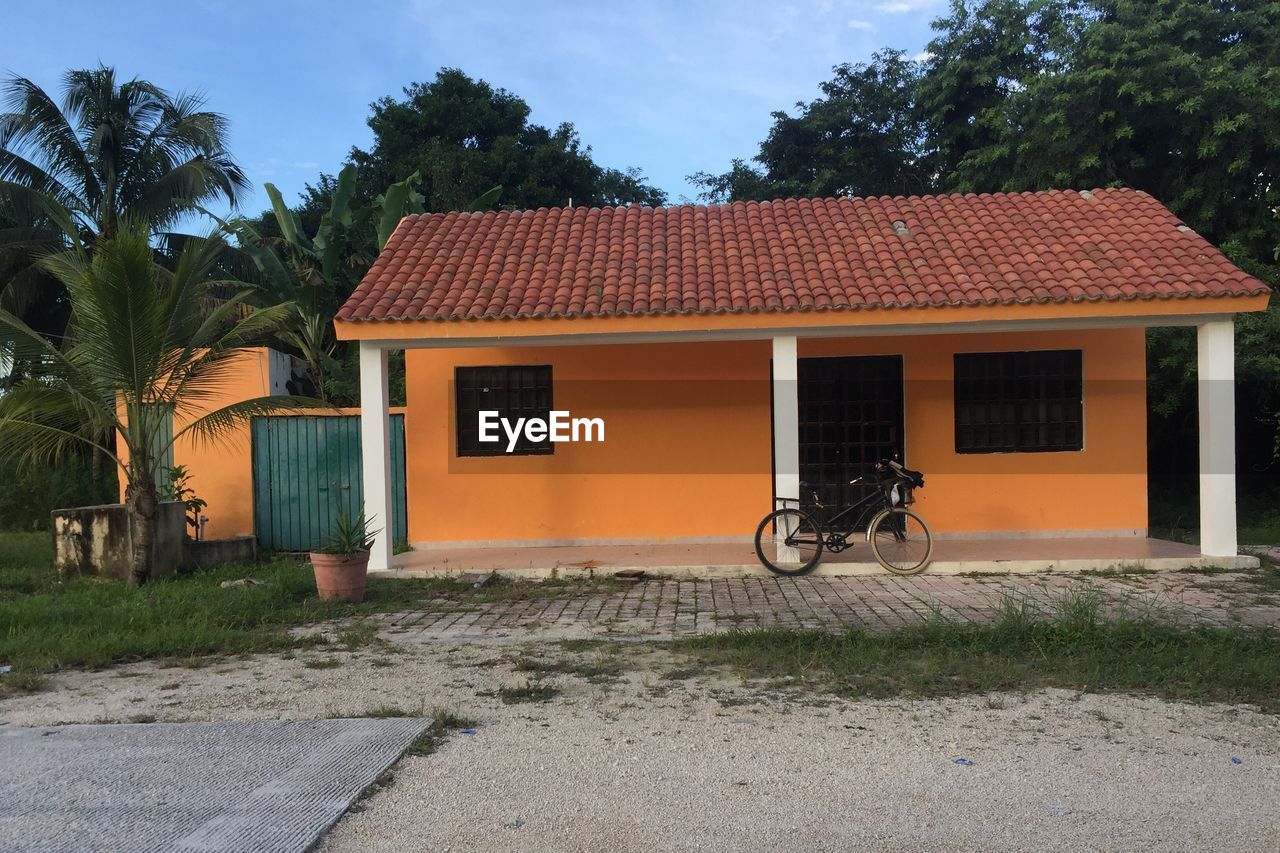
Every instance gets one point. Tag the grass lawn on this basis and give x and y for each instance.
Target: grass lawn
(1073, 649)
(49, 623)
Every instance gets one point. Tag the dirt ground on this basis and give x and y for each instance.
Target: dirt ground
(590, 756)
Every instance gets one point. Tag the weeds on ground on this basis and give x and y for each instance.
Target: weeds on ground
(1080, 641)
(602, 670)
(1263, 581)
(533, 690)
(1265, 578)
(443, 721)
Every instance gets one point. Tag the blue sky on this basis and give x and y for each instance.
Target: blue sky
(670, 87)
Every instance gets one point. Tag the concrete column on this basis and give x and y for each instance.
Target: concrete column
(1215, 343)
(375, 449)
(786, 428)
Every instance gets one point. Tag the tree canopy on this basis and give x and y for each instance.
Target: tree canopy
(1180, 98)
(862, 137)
(463, 137)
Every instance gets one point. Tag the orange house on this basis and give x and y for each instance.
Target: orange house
(728, 353)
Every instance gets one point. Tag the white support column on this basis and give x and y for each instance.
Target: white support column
(1215, 342)
(786, 429)
(375, 449)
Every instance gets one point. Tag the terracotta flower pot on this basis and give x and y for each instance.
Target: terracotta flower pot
(340, 577)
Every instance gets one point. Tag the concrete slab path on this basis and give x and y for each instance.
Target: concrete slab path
(269, 786)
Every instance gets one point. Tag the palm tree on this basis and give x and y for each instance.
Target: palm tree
(112, 152)
(147, 355)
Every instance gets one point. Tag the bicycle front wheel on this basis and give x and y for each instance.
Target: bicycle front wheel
(789, 542)
(900, 541)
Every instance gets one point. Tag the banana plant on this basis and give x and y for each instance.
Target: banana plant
(402, 199)
(303, 272)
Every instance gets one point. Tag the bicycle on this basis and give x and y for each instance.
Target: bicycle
(899, 538)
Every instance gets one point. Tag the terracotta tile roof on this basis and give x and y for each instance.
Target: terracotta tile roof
(793, 255)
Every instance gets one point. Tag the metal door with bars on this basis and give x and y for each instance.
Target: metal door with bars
(851, 416)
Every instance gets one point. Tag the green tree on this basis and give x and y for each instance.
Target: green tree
(1180, 98)
(983, 55)
(111, 151)
(147, 352)
(315, 272)
(463, 137)
(303, 271)
(862, 137)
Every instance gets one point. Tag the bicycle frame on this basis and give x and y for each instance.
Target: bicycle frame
(855, 518)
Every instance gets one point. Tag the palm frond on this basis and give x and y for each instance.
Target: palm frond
(31, 206)
(43, 422)
(36, 122)
(24, 288)
(119, 321)
(22, 172)
(224, 423)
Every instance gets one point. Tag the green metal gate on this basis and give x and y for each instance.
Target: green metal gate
(306, 470)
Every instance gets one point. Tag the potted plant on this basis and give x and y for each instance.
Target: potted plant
(341, 562)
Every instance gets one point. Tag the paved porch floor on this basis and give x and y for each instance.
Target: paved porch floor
(673, 607)
(738, 559)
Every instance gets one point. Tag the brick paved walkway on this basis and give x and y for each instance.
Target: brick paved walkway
(667, 608)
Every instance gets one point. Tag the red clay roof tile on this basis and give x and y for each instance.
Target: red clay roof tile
(792, 255)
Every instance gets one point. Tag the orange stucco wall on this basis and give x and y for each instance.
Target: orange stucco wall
(222, 472)
(692, 458)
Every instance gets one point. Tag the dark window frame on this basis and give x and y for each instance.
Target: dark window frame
(1019, 401)
(498, 379)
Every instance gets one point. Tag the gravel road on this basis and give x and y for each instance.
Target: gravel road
(705, 762)
(1049, 772)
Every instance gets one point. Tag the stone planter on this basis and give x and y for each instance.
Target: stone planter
(98, 540)
(340, 577)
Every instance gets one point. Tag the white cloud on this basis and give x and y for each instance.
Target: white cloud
(897, 7)
(922, 56)
(856, 24)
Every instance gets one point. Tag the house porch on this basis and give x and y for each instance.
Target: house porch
(953, 555)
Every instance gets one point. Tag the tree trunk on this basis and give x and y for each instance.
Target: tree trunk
(317, 376)
(143, 506)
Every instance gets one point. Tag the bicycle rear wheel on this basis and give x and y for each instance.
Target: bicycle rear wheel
(789, 542)
(901, 541)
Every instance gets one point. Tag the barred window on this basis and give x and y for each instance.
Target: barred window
(1019, 402)
(514, 392)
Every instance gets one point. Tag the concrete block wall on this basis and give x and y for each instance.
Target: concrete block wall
(98, 540)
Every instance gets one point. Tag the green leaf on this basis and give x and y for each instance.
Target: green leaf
(486, 200)
(398, 201)
(290, 227)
